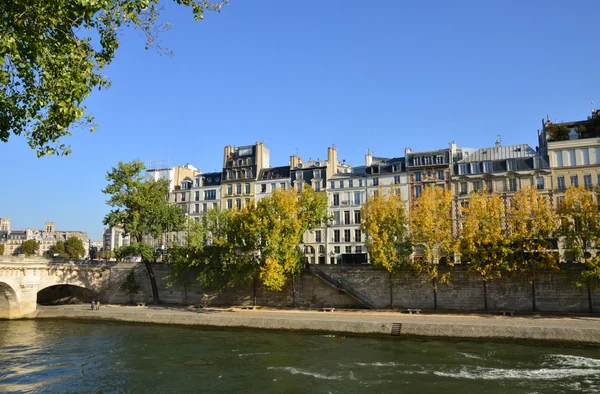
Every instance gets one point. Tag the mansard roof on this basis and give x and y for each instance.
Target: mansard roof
(274, 173)
(500, 153)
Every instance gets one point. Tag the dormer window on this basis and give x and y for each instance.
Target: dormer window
(487, 166)
(376, 169)
(439, 159)
(299, 165)
(463, 169)
(416, 161)
(299, 175)
(511, 165)
(317, 173)
(474, 168)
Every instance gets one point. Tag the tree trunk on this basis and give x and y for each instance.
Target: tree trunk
(391, 291)
(254, 291)
(590, 305)
(434, 294)
(184, 291)
(293, 292)
(533, 295)
(485, 304)
(152, 282)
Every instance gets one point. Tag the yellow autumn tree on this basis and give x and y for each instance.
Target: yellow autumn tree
(431, 230)
(385, 223)
(532, 226)
(579, 230)
(484, 242)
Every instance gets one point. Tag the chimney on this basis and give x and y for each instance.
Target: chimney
(332, 161)
(368, 158)
(294, 161)
(497, 144)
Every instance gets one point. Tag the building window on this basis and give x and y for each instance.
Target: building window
(560, 200)
(512, 184)
(238, 188)
(487, 166)
(336, 235)
(341, 184)
(263, 188)
(463, 169)
(336, 217)
(587, 181)
(427, 160)
(574, 180)
(229, 175)
(336, 199)
(474, 168)
(318, 186)
(318, 236)
(247, 201)
(489, 185)
(540, 183)
(350, 183)
(336, 249)
(441, 175)
(359, 249)
(332, 184)
(204, 207)
(229, 190)
(417, 161)
(418, 177)
(356, 217)
(248, 173)
(360, 181)
(357, 236)
(247, 188)
(346, 217)
(210, 195)
(463, 188)
(197, 194)
(321, 249)
(215, 205)
(356, 198)
(300, 186)
(439, 159)
(282, 185)
(238, 203)
(197, 208)
(418, 191)
(511, 165)
(183, 196)
(572, 160)
(375, 181)
(560, 182)
(347, 236)
(299, 175)
(317, 173)
(476, 185)
(273, 187)
(229, 204)
(348, 249)
(396, 180)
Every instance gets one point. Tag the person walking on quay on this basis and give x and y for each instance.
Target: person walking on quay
(98, 305)
(93, 305)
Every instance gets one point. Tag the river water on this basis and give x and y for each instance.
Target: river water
(69, 356)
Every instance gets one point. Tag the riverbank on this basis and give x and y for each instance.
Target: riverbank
(571, 329)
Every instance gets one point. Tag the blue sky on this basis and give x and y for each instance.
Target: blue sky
(307, 74)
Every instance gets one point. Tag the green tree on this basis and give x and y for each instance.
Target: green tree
(53, 54)
(74, 248)
(130, 285)
(532, 226)
(385, 224)
(579, 230)
(431, 229)
(140, 207)
(1, 249)
(58, 249)
(30, 247)
(484, 242)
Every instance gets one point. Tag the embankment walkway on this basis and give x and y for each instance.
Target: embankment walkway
(574, 329)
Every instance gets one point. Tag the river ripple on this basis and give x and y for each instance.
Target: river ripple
(69, 356)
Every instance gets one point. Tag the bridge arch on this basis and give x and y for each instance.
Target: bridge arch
(9, 302)
(65, 293)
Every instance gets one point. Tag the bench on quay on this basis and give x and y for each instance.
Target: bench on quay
(507, 313)
(326, 309)
(248, 307)
(411, 311)
(141, 304)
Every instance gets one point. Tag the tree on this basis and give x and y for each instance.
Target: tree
(579, 230)
(431, 229)
(532, 224)
(74, 248)
(140, 207)
(385, 224)
(58, 249)
(52, 55)
(130, 286)
(483, 239)
(30, 247)
(1, 249)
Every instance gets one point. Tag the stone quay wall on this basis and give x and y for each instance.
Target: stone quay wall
(554, 292)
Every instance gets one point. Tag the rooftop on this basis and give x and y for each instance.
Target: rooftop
(500, 153)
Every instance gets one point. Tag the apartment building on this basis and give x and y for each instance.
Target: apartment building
(271, 179)
(205, 194)
(241, 166)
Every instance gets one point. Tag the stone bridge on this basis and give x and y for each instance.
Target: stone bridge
(22, 278)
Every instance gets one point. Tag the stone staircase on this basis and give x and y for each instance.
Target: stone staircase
(340, 286)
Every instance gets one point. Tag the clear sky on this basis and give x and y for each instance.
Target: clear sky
(302, 75)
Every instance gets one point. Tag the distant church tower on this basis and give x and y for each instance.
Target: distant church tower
(49, 227)
(4, 224)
